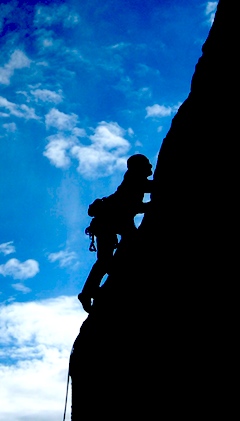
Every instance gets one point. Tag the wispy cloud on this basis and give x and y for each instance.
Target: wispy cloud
(45, 38)
(55, 48)
(4, 114)
(10, 127)
(19, 270)
(144, 92)
(61, 121)
(18, 60)
(120, 46)
(64, 257)
(35, 344)
(5, 11)
(21, 288)
(55, 14)
(46, 95)
(157, 110)
(21, 111)
(210, 11)
(7, 248)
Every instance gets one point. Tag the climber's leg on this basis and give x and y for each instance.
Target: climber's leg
(105, 249)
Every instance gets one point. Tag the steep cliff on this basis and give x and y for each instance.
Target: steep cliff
(160, 336)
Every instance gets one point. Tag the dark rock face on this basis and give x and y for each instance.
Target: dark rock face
(160, 340)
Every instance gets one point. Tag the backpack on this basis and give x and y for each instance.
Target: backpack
(96, 208)
(99, 210)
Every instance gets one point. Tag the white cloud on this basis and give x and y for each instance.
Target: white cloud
(109, 136)
(79, 132)
(46, 95)
(65, 258)
(94, 163)
(18, 60)
(21, 111)
(105, 154)
(210, 11)
(18, 270)
(130, 131)
(57, 150)
(7, 248)
(60, 120)
(157, 110)
(35, 344)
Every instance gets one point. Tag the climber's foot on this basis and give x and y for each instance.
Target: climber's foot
(85, 301)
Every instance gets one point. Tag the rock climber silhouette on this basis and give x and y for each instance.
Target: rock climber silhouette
(115, 215)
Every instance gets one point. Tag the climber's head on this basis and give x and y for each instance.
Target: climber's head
(139, 164)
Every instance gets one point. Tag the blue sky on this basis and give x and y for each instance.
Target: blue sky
(83, 85)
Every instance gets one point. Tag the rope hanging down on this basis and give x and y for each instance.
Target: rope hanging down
(68, 377)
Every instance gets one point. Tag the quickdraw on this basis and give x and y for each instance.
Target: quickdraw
(88, 232)
(92, 232)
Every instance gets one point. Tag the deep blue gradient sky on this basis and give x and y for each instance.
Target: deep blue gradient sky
(83, 85)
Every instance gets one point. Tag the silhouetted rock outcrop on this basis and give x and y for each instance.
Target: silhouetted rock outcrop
(160, 339)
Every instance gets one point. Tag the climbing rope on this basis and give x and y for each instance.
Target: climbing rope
(68, 377)
(65, 409)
